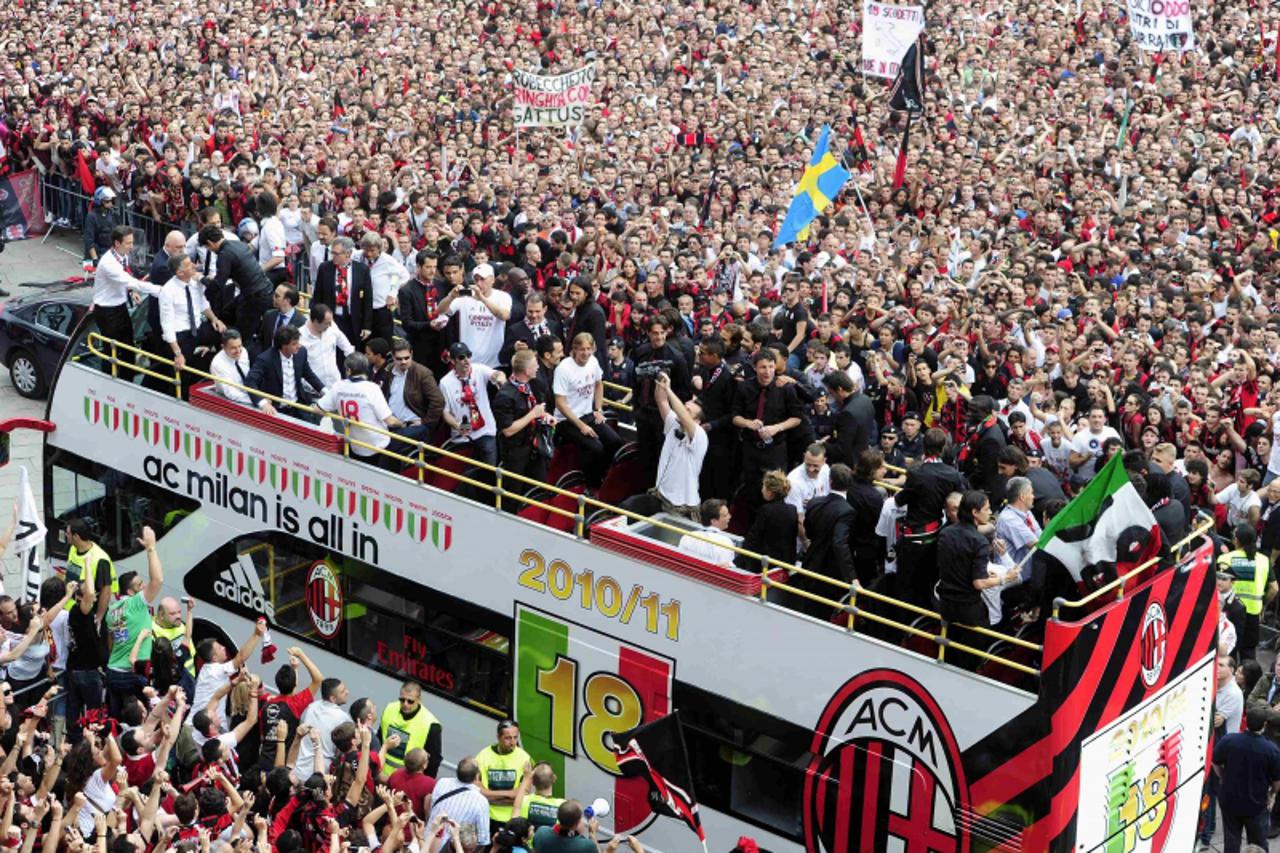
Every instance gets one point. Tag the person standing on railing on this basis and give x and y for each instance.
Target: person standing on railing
(924, 497)
(524, 425)
(186, 320)
(238, 267)
(964, 568)
(112, 281)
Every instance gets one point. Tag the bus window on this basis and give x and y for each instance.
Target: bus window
(282, 569)
(745, 762)
(115, 505)
(446, 644)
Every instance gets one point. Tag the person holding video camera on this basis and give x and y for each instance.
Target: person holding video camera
(653, 358)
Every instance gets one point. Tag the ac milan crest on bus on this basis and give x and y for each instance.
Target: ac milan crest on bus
(1152, 641)
(886, 772)
(324, 600)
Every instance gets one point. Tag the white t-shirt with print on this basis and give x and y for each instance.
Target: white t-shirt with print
(479, 328)
(577, 384)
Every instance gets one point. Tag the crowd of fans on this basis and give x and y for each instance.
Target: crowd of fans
(1077, 263)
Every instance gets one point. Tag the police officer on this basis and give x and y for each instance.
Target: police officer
(924, 496)
(1254, 586)
(99, 224)
(417, 727)
(85, 558)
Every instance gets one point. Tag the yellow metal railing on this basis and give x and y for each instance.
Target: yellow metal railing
(1117, 586)
(584, 505)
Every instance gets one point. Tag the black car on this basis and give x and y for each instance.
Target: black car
(35, 328)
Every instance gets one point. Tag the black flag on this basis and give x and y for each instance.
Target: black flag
(907, 94)
(656, 753)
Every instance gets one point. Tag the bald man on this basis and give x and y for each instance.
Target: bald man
(169, 624)
(175, 243)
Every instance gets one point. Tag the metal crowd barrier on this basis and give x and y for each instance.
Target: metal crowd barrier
(107, 349)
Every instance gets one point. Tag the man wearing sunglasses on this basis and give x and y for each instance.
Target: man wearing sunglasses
(417, 727)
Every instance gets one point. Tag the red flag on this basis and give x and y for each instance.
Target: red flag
(900, 170)
(87, 183)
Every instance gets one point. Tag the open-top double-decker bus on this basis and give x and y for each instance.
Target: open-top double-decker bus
(562, 612)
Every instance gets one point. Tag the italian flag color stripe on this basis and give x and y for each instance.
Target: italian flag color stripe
(541, 642)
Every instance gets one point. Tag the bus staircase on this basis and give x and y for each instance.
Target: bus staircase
(563, 504)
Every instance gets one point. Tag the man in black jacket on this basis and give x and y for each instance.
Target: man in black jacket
(347, 289)
(417, 302)
(520, 411)
(827, 525)
(284, 312)
(652, 357)
(716, 387)
(855, 422)
(283, 371)
(981, 455)
(924, 497)
(524, 333)
(763, 412)
(587, 316)
(238, 266)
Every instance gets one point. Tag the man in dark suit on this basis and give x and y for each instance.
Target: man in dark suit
(417, 302)
(981, 455)
(284, 312)
(588, 316)
(827, 524)
(855, 421)
(412, 393)
(347, 289)
(238, 267)
(283, 371)
(524, 333)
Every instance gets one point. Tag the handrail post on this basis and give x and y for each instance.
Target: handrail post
(853, 604)
(177, 380)
(422, 465)
(942, 642)
(115, 360)
(497, 489)
(581, 518)
(764, 578)
(346, 436)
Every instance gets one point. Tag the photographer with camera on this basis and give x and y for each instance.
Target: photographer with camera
(482, 314)
(524, 424)
(652, 358)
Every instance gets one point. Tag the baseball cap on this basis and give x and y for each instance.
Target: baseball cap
(1035, 453)
(459, 350)
(482, 271)
(615, 342)
(911, 416)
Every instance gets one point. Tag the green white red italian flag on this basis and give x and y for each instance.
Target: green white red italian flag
(1107, 527)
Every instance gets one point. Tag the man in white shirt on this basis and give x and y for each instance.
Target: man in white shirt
(357, 398)
(1241, 498)
(684, 449)
(326, 230)
(466, 403)
(811, 479)
(385, 275)
(1086, 447)
(273, 245)
(231, 367)
(323, 340)
(324, 715)
(715, 521)
(579, 396)
(217, 668)
(185, 315)
(483, 314)
(112, 281)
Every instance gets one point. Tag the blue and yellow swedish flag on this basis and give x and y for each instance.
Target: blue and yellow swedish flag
(820, 184)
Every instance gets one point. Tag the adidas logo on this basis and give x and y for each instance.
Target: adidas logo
(239, 583)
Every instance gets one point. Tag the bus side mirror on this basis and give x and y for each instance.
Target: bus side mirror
(4, 449)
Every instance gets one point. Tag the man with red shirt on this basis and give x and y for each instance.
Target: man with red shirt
(414, 782)
(286, 705)
(1240, 387)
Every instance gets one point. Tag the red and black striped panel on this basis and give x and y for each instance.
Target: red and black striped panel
(1027, 771)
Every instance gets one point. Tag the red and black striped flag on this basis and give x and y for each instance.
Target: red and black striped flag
(855, 156)
(656, 753)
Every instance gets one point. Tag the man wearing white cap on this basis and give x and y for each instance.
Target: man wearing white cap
(482, 315)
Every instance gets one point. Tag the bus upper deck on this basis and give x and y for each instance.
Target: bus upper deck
(997, 743)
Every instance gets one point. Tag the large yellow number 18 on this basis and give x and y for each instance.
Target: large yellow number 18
(612, 705)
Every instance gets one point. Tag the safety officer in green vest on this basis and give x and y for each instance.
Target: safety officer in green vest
(1254, 585)
(502, 768)
(535, 798)
(168, 624)
(85, 558)
(417, 727)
